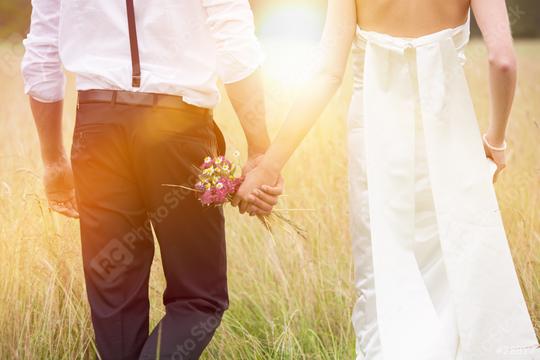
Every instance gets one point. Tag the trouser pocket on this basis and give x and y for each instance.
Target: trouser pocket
(219, 144)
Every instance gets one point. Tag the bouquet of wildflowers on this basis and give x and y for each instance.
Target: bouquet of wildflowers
(217, 184)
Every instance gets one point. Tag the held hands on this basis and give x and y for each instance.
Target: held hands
(255, 196)
(260, 190)
(59, 189)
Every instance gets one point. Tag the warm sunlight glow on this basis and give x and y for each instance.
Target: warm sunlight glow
(289, 34)
(292, 21)
(287, 62)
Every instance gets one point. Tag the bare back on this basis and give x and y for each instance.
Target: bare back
(411, 18)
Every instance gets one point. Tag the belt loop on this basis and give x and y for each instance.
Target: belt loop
(114, 94)
(154, 99)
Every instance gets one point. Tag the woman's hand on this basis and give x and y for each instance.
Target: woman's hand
(263, 200)
(498, 156)
(246, 198)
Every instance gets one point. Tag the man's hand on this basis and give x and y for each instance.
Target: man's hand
(252, 162)
(58, 177)
(251, 197)
(58, 181)
(263, 200)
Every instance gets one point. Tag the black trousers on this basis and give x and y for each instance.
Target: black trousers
(121, 157)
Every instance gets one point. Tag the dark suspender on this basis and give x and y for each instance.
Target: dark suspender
(135, 61)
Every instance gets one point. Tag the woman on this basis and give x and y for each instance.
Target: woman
(434, 272)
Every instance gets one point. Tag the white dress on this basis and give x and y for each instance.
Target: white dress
(435, 276)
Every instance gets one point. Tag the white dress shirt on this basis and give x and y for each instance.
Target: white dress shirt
(185, 46)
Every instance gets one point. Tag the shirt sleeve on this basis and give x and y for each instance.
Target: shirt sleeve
(232, 26)
(41, 66)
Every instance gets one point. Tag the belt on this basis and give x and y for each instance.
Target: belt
(139, 99)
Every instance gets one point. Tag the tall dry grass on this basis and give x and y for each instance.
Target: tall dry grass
(290, 298)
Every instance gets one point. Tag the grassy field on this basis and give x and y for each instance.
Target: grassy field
(290, 298)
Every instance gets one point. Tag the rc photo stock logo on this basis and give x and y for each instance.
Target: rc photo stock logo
(112, 261)
(119, 254)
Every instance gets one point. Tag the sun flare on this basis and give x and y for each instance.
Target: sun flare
(289, 34)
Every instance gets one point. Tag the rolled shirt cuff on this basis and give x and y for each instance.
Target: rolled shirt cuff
(41, 69)
(46, 91)
(237, 65)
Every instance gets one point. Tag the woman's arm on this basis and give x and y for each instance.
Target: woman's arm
(316, 93)
(492, 18)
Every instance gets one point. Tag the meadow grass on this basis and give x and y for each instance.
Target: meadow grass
(290, 298)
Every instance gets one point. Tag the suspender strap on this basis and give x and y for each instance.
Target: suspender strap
(135, 61)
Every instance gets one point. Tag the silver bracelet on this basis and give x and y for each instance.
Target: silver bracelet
(494, 148)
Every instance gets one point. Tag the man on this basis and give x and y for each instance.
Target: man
(146, 76)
